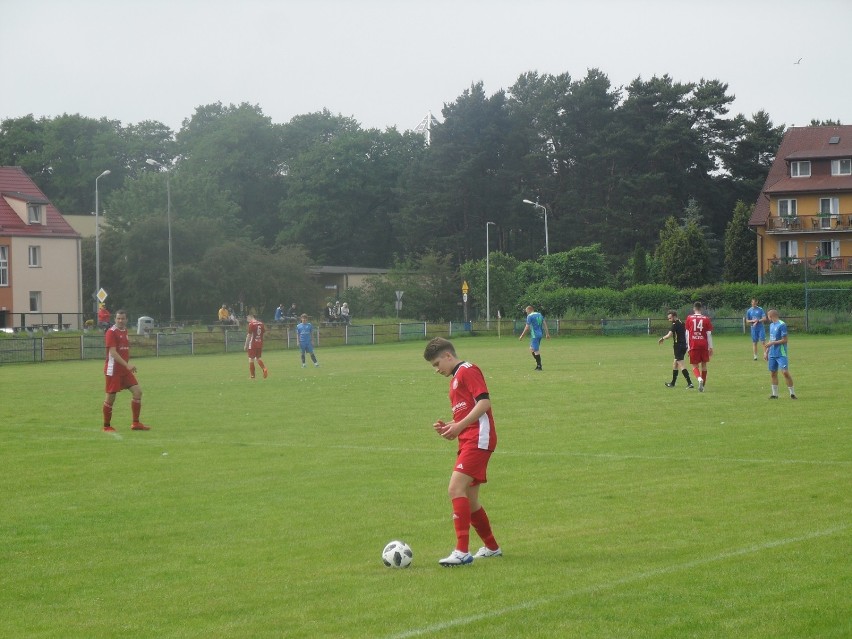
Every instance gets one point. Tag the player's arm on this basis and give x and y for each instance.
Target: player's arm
(710, 341)
(664, 337)
(452, 430)
(524, 332)
(546, 332)
(116, 357)
(248, 341)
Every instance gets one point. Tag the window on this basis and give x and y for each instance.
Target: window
(788, 250)
(841, 167)
(4, 266)
(35, 256)
(828, 208)
(787, 208)
(34, 213)
(800, 169)
(35, 301)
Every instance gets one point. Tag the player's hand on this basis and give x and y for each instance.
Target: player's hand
(660, 341)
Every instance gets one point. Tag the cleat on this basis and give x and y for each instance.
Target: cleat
(538, 368)
(773, 397)
(700, 385)
(109, 429)
(316, 364)
(689, 386)
(755, 358)
(670, 385)
(139, 426)
(456, 558)
(251, 376)
(793, 396)
(487, 552)
(265, 373)
(303, 364)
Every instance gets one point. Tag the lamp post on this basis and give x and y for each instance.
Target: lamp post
(98, 242)
(169, 222)
(488, 275)
(546, 238)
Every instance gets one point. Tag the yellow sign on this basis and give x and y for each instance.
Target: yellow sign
(102, 295)
(465, 287)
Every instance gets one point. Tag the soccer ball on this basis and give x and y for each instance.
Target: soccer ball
(397, 554)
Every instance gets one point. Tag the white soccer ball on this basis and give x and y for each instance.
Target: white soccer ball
(397, 554)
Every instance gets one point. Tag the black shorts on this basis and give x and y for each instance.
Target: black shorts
(679, 351)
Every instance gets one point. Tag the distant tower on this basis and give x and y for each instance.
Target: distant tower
(425, 126)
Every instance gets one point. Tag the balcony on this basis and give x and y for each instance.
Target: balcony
(837, 265)
(810, 223)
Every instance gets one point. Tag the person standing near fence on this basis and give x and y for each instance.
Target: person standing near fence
(254, 345)
(120, 373)
(678, 334)
(699, 342)
(775, 353)
(755, 317)
(305, 330)
(537, 328)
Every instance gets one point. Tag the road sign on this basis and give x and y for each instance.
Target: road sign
(399, 295)
(102, 295)
(465, 287)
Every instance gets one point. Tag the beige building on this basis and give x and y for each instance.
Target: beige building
(40, 258)
(804, 212)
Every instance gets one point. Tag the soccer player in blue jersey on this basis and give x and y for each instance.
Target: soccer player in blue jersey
(775, 352)
(304, 330)
(755, 316)
(537, 327)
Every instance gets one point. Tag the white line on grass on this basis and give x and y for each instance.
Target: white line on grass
(610, 585)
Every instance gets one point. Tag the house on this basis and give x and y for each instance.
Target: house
(40, 258)
(341, 278)
(804, 211)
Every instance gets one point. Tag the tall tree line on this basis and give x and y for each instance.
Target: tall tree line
(610, 164)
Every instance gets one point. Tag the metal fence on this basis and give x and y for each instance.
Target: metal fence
(164, 342)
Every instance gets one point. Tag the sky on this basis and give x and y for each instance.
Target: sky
(389, 62)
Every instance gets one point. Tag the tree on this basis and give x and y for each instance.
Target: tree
(740, 247)
(683, 254)
(581, 267)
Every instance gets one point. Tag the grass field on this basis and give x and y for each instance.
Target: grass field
(260, 508)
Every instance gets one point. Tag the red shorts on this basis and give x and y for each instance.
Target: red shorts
(699, 355)
(254, 352)
(473, 462)
(119, 380)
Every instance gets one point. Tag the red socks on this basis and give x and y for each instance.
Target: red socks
(136, 408)
(461, 521)
(482, 526)
(107, 414)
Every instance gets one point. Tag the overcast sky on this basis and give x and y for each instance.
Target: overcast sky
(388, 62)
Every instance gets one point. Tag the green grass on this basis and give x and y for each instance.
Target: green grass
(260, 508)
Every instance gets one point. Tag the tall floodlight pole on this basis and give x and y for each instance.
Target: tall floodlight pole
(546, 238)
(169, 221)
(98, 242)
(488, 275)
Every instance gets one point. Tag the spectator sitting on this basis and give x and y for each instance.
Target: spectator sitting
(344, 313)
(329, 313)
(224, 315)
(103, 316)
(292, 313)
(279, 314)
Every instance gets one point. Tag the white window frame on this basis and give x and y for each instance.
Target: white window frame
(787, 208)
(4, 265)
(800, 169)
(35, 213)
(829, 207)
(841, 167)
(35, 301)
(34, 256)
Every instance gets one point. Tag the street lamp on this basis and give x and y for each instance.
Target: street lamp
(169, 221)
(546, 238)
(488, 275)
(98, 242)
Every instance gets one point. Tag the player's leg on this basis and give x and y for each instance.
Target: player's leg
(789, 379)
(773, 377)
(482, 525)
(672, 383)
(458, 494)
(136, 408)
(109, 400)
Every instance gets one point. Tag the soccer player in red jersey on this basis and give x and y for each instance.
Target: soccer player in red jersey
(699, 340)
(254, 344)
(473, 425)
(119, 373)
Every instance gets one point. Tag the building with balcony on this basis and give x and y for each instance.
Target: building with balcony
(804, 212)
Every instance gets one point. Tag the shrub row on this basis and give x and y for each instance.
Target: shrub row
(657, 298)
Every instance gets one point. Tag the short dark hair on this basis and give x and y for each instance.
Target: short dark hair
(698, 306)
(436, 346)
(671, 312)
